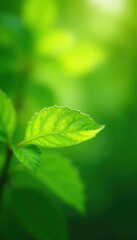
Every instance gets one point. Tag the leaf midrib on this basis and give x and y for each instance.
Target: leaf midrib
(58, 133)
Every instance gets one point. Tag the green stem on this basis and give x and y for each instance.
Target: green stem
(4, 175)
(21, 144)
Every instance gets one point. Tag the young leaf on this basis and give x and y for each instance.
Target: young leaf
(7, 118)
(59, 127)
(29, 156)
(63, 179)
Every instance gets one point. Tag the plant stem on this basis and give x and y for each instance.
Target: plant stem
(20, 144)
(4, 175)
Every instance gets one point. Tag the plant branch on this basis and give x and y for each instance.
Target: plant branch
(4, 175)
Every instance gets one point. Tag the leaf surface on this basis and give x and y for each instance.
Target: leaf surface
(63, 179)
(29, 156)
(7, 118)
(59, 127)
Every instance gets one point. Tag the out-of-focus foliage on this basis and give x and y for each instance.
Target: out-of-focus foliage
(37, 207)
(63, 179)
(7, 118)
(81, 54)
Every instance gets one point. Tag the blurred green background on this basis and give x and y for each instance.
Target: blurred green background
(79, 53)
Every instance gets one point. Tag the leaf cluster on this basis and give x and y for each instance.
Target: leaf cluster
(52, 127)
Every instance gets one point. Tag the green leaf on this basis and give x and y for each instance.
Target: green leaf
(7, 118)
(59, 127)
(63, 179)
(59, 175)
(29, 156)
(38, 215)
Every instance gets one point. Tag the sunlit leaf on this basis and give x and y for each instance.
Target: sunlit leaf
(63, 179)
(29, 156)
(59, 127)
(7, 118)
(82, 58)
(55, 43)
(38, 215)
(39, 14)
